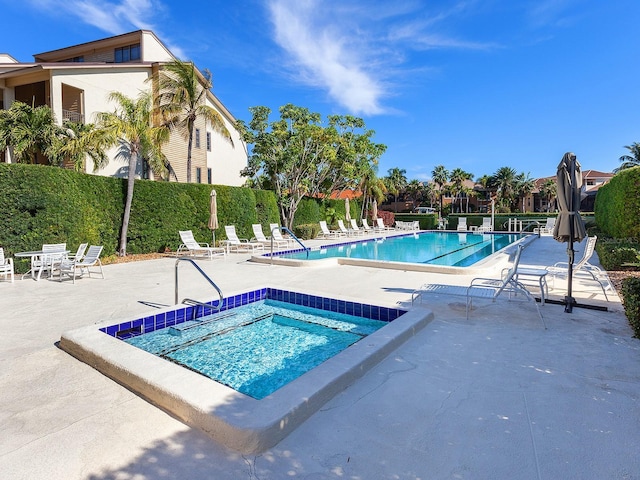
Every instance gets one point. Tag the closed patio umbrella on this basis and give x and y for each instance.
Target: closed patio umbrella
(213, 215)
(374, 210)
(347, 215)
(569, 226)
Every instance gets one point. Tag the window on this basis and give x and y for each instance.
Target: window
(198, 175)
(197, 138)
(127, 54)
(74, 60)
(209, 176)
(208, 141)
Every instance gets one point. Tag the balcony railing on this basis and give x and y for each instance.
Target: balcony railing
(74, 117)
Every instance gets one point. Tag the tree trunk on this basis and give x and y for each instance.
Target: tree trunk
(189, 146)
(133, 160)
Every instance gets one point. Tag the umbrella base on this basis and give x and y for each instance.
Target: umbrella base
(576, 304)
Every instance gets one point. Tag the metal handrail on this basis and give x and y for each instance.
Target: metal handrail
(305, 248)
(190, 260)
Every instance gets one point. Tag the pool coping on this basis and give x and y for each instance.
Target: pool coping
(497, 259)
(229, 417)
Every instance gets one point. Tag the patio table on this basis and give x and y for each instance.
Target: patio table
(56, 256)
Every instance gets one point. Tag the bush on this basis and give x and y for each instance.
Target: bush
(617, 207)
(614, 254)
(631, 294)
(307, 231)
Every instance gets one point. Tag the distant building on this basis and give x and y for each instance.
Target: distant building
(75, 82)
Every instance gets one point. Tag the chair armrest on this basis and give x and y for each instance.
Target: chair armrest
(204, 245)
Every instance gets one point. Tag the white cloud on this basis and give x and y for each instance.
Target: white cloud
(325, 56)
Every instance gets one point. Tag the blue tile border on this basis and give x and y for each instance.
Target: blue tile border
(162, 320)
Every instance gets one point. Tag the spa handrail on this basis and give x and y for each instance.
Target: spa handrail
(190, 260)
(305, 248)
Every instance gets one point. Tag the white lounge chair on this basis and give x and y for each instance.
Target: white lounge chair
(381, 226)
(258, 236)
(583, 268)
(194, 248)
(6, 266)
(355, 229)
(490, 288)
(462, 224)
(276, 233)
(486, 225)
(91, 259)
(367, 228)
(548, 227)
(326, 233)
(347, 231)
(235, 244)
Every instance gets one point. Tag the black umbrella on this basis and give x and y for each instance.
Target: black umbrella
(569, 226)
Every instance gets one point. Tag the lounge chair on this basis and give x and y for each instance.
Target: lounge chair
(276, 233)
(235, 244)
(194, 248)
(462, 224)
(490, 288)
(381, 226)
(548, 227)
(486, 225)
(91, 259)
(258, 236)
(366, 226)
(583, 268)
(355, 229)
(326, 233)
(6, 266)
(348, 231)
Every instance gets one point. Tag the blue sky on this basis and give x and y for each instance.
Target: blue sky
(475, 84)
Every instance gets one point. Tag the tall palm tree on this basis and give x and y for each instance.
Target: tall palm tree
(440, 176)
(629, 161)
(181, 100)
(504, 182)
(396, 182)
(524, 186)
(415, 192)
(458, 177)
(131, 128)
(548, 190)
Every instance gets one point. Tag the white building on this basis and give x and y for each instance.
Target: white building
(76, 82)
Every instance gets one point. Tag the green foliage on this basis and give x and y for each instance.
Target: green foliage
(614, 254)
(631, 294)
(427, 221)
(307, 231)
(617, 207)
(51, 205)
(308, 212)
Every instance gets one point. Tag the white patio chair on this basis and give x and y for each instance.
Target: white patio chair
(355, 229)
(489, 288)
(326, 233)
(548, 227)
(6, 265)
(235, 244)
(367, 228)
(79, 253)
(91, 259)
(486, 225)
(462, 224)
(381, 226)
(194, 248)
(49, 261)
(347, 231)
(258, 236)
(276, 233)
(583, 268)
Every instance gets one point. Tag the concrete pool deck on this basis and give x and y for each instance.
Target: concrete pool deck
(495, 396)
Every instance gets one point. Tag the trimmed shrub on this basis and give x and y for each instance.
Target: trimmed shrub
(614, 254)
(631, 294)
(617, 207)
(307, 231)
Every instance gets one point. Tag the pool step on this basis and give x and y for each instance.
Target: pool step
(189, 324)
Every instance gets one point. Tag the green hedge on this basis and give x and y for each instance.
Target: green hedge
(42, 204)
(617, 207)
(631, 294)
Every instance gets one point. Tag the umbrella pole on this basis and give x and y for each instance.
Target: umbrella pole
(569, 300)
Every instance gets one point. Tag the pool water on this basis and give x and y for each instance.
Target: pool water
(435, 248)
(258, 348)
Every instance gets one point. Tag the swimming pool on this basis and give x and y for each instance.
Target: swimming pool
(260, 347)
(443, 252)
(234, 419)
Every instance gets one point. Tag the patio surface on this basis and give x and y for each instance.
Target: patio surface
(495, 396)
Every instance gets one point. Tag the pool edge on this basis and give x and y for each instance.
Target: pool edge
(231, 418)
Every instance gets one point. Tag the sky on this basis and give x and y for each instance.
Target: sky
(470, 84)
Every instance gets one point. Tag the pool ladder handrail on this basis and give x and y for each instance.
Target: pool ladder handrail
(190, 301)
(304, 247)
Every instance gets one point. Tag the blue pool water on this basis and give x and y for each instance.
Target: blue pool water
(260, 347)
(435, 248)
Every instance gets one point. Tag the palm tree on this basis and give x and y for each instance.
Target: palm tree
(548, 191)
(396, 182)
(440, 176)
(458, 177)
(504, 182)
(181, 100)
(130, 127)
(629, 161)
(524, 186)
(76, 141)
(29, 131)
(415, 192)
